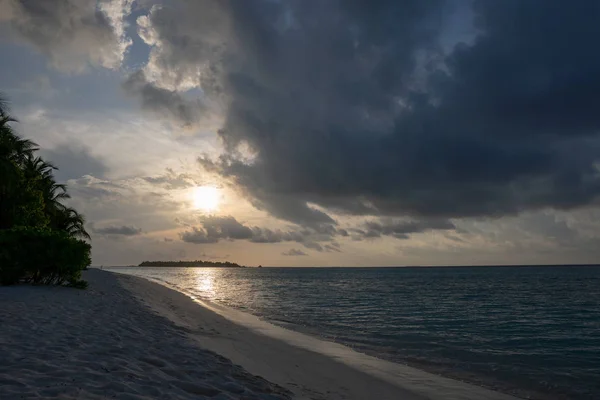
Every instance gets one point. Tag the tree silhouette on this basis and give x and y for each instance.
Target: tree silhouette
(33, 217)
(70, 221)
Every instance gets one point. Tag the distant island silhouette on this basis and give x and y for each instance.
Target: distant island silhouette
(197, 263)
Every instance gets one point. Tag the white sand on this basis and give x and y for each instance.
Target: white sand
(103, 343)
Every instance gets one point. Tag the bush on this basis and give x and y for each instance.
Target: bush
(42, 256)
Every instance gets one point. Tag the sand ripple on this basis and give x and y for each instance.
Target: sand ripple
(101, 343)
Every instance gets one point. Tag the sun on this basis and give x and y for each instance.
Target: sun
(206, 198)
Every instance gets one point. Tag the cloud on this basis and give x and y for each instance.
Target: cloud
(343, 232)
(197, 236)
(294, 253)
(91, 188)
(332, 248)
(166, 103)
(72, 33)
(182, 55)
(215, 228)
(212, 229)
(313, 245)
(401, 229)
(172, 180)
(356, 107)
(110, 202)
(123, 230)
(263, 235)
(74, 161)
(226, 227)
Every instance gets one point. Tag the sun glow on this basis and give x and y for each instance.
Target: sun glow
(206, 198)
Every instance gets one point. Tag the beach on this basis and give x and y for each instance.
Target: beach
(129, 338)
(101, 343)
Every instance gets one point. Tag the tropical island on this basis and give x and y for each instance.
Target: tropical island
(192, 264)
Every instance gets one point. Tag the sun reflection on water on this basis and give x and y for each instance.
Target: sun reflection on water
(205, 281)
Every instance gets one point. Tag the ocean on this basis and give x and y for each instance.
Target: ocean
(533, 332)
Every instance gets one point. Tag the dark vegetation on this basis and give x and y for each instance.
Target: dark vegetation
(197, 263)
(41, 239)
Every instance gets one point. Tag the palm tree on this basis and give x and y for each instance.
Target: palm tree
(12, 147)
(42, 173)
(37, 231)
(70, 221)
(37, 168)
(14, 151)
(61, 217)
(26, 178)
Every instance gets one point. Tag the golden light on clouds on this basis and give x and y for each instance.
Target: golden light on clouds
(206, 198)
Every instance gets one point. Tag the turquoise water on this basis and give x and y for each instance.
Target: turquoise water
(529, 331)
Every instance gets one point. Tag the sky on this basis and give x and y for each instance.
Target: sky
(317, 133)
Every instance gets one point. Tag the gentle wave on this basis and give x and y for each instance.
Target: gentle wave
(529, 331)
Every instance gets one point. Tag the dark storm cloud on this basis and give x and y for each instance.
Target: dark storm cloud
(354, 107)
(117, 230)
(294, 253)
(74, 161)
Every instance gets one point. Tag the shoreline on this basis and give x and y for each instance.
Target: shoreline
(310, 367)
(131, 338)
(100, 343)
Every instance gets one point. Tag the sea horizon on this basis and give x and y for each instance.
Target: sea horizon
(374, 266)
